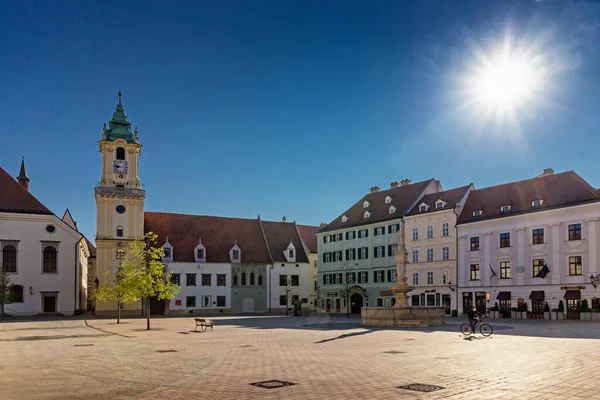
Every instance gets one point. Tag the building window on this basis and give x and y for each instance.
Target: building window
(283, 300)
(327, 279)
(350, 254)
(575, 232)
(445, 229)
(504, 209)
(166, 252)
(119, 231)
(538, 236)
(415, 256)
(283, 280)
(244, 282)
(9, 259)
(379, 251)
(295, 280)
(414, 300)
(206, 278)
(190, 302)
(235, 280)
(474, 272)
(445, 278)
(326, 239)
(220, 301)
(252, 279)
(337, 256)
(337, 237)
(190, 280)
(379, 276)
(176, 279)
(575, 265)
(429, 255)
(392, 248)
(475, 243)
(350, 235)
(338, 278)
(235, 254)
(415, 234)
(445, 253)
(429, 231)
(505, 270)
(363, 277)
(363, 253)
(393, 228)
(260, 280)
(363, 233)
(120, 153)
(439, 205)
(537, 203)
(316, 287)
(327, 257)
(538, 264)
(50, 228)
(415, 279)
(16, 293)
(350, 277)
(422, 208)
(430, 278)
(291, 253)
(120, 209)
(221, 280)
(50, 260)
(477, 213)
(200, 254)
(380, 230)
(505, 240)
(391, 275)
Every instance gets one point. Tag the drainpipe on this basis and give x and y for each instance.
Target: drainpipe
(457, 263)
(76, 273)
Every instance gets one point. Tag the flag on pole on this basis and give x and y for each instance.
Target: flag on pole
(493, 272)
(543, 272)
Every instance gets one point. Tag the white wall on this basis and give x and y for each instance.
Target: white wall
(198, 291)
(306, 283)
(29, 231)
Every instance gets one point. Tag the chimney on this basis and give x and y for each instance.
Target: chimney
(548, 171)
(405, 182)
(22, 178)
(283, 219)
(322, 224)
(394, 184)
(374, 189)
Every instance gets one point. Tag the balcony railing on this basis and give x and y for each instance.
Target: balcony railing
(119, 191)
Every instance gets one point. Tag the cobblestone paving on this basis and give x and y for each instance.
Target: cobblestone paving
(326, 358)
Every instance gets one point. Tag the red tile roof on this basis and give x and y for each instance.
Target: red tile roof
(218, 234)
(309, 237)
(14, 198)
(279, 235)
(556, 190)
(403, 198)
(451, 197)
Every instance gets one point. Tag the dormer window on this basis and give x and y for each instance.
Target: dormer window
(504, 209)
(477, 213)
(366, 204)
(440, 204)
(423, 207)
(344, 218)
(367, 214)
(537, 203)
(167, 252)
(388, 200)
(290, 252)
(200, 252)
(235, 254)
(392, 209)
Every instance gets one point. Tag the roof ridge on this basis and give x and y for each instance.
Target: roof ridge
(304, 246)
(198, 215)
(264, 235)
(530, 179)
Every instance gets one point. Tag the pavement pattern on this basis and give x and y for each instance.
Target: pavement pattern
(326, 358)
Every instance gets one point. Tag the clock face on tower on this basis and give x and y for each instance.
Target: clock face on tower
(120, 166)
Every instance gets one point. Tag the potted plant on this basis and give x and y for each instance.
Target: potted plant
(585, 315)
(546, 311)
(595, 315)
(524, 311)
(494, 311)
(561, 310)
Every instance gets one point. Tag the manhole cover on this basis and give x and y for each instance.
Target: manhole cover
(82, 345)
(166, 351)
(272, 384)
(394, 352)
(420, 387)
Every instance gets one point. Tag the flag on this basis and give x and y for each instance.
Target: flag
(493, 272)
(543, 272)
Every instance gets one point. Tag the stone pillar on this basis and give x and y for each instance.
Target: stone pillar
(462, 262)
(555, 269)
(592, 247)
(520, 258)
(485, 268)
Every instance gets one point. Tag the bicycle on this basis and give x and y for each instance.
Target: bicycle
(484, 329)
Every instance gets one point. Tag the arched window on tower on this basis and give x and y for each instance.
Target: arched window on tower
(243, 279)
(120, 153)
(252, 278)
(49, 260)
(235, 280)
(119, 231)
(260, 280)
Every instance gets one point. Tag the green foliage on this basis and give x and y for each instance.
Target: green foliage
(524, 307)
(495, 308)
(584, 306)
(5, 290)
(546, 307)
(561, 306)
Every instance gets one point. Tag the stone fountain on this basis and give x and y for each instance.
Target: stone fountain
(401, 314)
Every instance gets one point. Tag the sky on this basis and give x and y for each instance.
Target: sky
(292, 108)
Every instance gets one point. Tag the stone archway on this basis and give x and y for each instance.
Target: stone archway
(356, 303)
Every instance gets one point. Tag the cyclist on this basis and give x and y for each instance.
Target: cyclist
(472, 315)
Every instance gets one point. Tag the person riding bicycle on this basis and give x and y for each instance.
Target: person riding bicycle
(472, 315)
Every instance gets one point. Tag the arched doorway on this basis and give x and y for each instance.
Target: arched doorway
(356, 302)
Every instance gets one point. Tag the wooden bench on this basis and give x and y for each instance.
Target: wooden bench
(204, 324)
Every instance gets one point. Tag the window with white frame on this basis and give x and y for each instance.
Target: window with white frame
(415, 256)
(477, 213)
(380, 230)
(367, 214)
(415, 279)
(537, 203)
(393, 228)
(392, 209)
(363, 277)
(445, 229)
(379, 276)
(327, 257)
(504, 209)
(429, 255)
(423, 207)
(366, 204)
(344, 218)
(415, 233)
(328, 279)
(445, 253)
(363, 233)
(388, 200)
(430, 278)
(445, 278)
(363, 253)
(440, 204)
(379, 251)
(338, 278)
(337, 256)
(429, 231)
(350, 235)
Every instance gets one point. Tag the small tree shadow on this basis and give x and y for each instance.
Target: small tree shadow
(344, 335)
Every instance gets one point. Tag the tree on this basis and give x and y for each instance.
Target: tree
(150, 277)
(5, 291)
(119, 286)
(287, 292)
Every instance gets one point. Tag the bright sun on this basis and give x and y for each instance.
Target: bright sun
(506, 83)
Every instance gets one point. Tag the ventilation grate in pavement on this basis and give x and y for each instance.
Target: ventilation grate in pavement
(274, 384)
(166, 351)
(420, 387)
(394, 352)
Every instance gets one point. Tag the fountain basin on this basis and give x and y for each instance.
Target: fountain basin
(414, 317)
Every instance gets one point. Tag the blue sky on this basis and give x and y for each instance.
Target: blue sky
(291, 108)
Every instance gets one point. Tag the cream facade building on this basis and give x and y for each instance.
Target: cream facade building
(431, 243)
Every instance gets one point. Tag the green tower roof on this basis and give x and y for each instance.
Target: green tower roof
(119, 127)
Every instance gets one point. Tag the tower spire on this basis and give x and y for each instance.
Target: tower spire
(22, 178)
(119, 127)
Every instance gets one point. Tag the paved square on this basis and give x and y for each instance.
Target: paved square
(323, 357)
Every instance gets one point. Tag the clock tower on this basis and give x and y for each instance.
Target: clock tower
(119, 200)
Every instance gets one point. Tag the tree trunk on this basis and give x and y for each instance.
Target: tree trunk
(148, 313)
(118, 312)
(2, 314)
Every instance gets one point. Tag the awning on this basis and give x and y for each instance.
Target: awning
(537, 295)
(573, 294)
(503, 296)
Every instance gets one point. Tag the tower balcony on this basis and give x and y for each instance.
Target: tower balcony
(118, 191)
